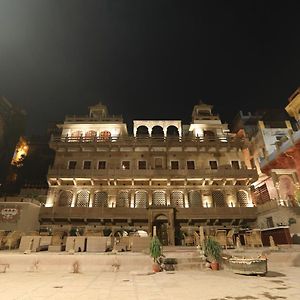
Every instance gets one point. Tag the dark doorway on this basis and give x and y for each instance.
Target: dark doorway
(162, 231)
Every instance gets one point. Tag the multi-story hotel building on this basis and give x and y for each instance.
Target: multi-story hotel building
(165, 175)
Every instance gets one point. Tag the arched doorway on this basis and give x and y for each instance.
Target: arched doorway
(161, 225)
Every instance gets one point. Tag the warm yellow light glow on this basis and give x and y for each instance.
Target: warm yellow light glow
(21, 152)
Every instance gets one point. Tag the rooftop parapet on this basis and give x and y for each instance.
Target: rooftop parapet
(92, 119)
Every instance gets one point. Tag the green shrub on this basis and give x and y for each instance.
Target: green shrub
(155, 248)
(212, 249)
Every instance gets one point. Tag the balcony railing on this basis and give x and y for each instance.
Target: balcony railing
(153, 173)
(131, 140)
(111, 118)
(142, 213)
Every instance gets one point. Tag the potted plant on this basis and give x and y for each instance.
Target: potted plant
(212, 250)
(155, 253)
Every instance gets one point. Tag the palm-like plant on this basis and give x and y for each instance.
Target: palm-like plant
(155, 249)
(212, 249)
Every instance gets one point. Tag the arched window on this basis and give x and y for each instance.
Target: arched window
(65, 199)
(90, 135)
(75, 135)
(105, 135)
(141, 199)
(286, 188)
(157, 131)
(123, 199)
(177, 199)
(83, 198)
(242, 198)
(209, 135)
(172, 132)
(142, 131)
(159, 198)
(218, 199)
(194, 199)
(100, 199)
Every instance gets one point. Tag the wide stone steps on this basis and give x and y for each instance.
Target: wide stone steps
(185, 258)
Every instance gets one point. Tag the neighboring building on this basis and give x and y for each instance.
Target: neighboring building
(283, 163)
(12, 125)
(166, 175)
(274, 150)
(19, 214)
(293, 108)
(265, 131)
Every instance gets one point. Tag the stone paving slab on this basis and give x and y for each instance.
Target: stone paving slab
(281, 283)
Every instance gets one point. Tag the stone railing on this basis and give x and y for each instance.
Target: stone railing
(154, 173)
(131, 140)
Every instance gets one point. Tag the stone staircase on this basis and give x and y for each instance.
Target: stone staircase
(185, 258)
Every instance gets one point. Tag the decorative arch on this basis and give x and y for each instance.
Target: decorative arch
(286, 188)
(100, 199)
(105, 135)
(194, 199)
(160, 217)
(90, 135)
(209, 134)
(140, 199)
(157, 131)
(76, 134)
(172, 131)
(177, 199)
(142, 131)
(159, 198)
(83, 198)
(218, 199)
(65, 199)
(123, 199)
(242, 198)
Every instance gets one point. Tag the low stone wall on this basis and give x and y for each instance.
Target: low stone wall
(63, 262)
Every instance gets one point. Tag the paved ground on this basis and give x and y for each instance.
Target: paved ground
(281, 283)
(52, 278)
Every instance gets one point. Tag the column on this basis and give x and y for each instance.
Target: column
(74, 199)
(91, 201)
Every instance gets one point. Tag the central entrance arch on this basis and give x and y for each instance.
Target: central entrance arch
(161, 225)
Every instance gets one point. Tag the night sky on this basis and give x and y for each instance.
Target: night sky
(147, 59)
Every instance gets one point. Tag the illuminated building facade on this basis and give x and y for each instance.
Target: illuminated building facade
(168, 175)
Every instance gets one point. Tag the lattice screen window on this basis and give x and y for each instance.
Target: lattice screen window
(218, 199)
(100, 199)
(90, 135)
(159, 198)
(83, 198)
(242, 198)
(195, 199)
(177, 199)
(123, 199)
(141, 199)
(65, 198)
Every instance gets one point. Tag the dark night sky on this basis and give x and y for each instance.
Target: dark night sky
(147, 59)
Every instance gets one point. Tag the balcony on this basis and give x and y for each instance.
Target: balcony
(118, 214)
(226, 141)
(246, 213)
(92, 213)
(154, 173)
